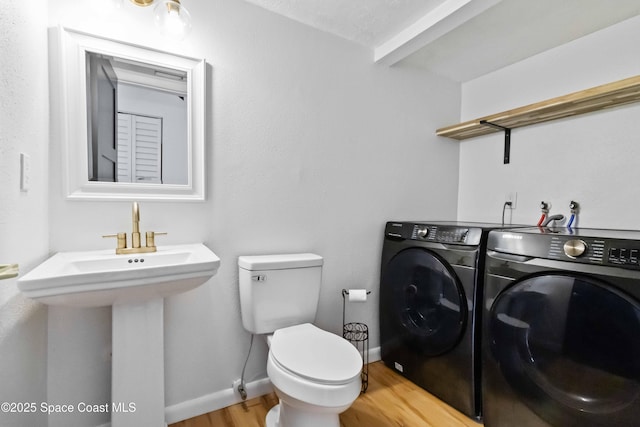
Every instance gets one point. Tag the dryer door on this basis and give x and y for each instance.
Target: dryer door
(569, 346)
(424, 300)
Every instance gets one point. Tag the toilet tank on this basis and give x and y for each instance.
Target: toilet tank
(277, 291)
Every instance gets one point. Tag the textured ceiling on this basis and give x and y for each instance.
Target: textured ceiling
(460, 39)
(367, 22)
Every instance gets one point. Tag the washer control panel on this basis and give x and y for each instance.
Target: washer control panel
(620, 255)
(580, 249)
(598, 248)
(597, 251)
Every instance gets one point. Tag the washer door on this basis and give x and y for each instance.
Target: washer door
(569, 346)
(427, 301)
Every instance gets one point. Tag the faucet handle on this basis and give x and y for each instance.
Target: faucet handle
(122, 239)
(8, 271)
(151, 236)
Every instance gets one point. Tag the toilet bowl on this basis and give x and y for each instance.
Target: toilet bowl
(316, 376)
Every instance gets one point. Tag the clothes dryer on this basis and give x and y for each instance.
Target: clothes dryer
(431, 278)
(562, 328)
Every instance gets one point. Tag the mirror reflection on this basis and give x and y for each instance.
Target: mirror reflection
(137, 122)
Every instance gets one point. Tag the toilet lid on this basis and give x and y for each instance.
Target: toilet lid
(317, 355)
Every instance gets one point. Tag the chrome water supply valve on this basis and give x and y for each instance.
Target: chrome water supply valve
(573, 209)
(544, 207)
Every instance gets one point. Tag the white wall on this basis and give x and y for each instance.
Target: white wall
(592, 158)
(23, 215)
(310, 147)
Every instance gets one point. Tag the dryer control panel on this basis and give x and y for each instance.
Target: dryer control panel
(437, 233)
(441, 234)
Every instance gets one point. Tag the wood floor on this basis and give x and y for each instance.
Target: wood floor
(390, 400)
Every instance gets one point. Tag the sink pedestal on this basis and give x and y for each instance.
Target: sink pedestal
(137, 366)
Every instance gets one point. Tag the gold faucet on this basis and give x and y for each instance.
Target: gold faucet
(135, 234)
(136, 247)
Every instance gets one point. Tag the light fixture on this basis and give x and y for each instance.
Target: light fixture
(173, 19)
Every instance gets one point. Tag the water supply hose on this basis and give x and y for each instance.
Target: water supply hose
(544, 207)
(557, 217)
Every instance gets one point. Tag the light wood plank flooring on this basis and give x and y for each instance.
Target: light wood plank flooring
(391, 400)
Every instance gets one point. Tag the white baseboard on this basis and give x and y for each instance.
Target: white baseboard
(227, 397)
(109, 424)
(375, 354)
(214, 401)
(223, 398)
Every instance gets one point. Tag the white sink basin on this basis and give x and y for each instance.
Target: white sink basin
(100, 278)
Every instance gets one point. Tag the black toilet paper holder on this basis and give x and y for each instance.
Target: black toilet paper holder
(357, 334)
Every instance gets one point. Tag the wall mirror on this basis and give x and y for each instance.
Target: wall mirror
(131, 119)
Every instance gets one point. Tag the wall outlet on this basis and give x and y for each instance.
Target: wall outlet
(511, 197)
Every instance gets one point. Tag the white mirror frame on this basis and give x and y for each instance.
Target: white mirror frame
(69, 77)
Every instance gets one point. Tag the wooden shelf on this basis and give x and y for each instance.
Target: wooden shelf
(585, 101)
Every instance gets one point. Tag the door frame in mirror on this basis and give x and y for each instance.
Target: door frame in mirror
(68, 50)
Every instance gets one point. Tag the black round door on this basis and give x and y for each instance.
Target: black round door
(570, 348)
(426, 299)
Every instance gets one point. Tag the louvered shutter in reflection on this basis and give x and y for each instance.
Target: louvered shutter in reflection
(139, 148)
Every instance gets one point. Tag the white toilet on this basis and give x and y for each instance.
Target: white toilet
(316, 374)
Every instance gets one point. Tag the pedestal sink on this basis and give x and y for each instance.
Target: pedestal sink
(135, 285)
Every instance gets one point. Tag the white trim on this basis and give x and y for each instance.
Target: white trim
(375, 354)
(223, 398)
(109, 424)
(227, 397)
(214, 401)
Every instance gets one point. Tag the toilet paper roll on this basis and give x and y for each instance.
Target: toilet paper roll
(357, 295)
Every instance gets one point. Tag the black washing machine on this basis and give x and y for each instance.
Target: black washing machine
(562, 328)
(431, 277)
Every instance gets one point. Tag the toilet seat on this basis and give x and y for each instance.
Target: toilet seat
(315, 355)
